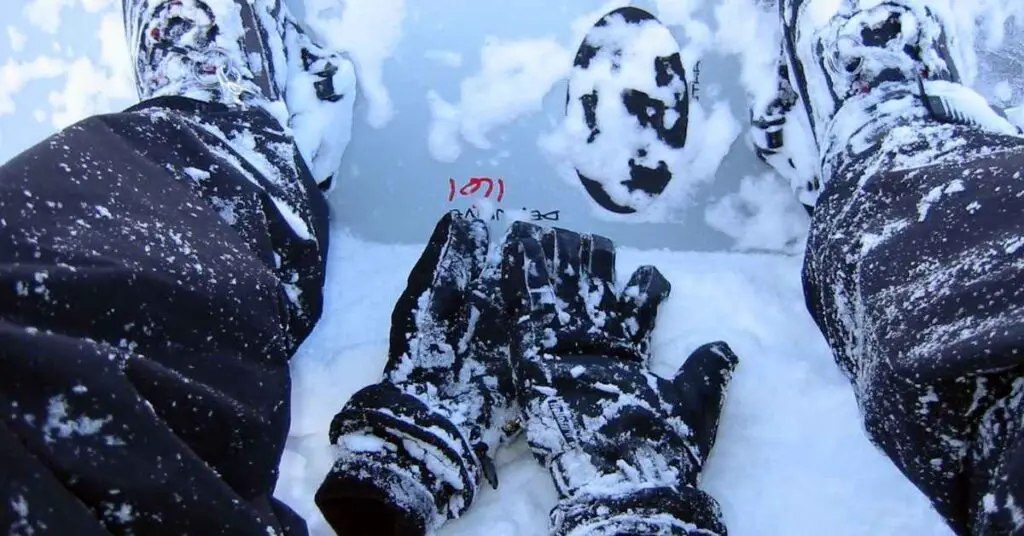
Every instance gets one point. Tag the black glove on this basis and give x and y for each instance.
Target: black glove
(624, 447)
(412, 448)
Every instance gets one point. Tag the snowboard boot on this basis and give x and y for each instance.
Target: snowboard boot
(244, 53)
(320, 95)
(861, 72)
(780, 136)
(209, 50)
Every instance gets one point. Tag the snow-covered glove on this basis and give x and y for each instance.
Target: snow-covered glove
(413, 448)
(624, 447)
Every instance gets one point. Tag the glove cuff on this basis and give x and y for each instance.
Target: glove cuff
(656, 510)
(367, 495)
(394, 449)
(997, 464)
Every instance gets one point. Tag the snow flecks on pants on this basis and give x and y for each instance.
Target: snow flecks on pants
(908, 275)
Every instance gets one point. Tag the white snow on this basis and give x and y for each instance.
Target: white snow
(19, 505)
(59, 424)
(45, 14)
(14, 75)
(676, 12)
(1003, 91)
(197, 175)
(297, 224)
(935, 194)
(514, 78)
(16, 39)
(91, 85)
(447, 58)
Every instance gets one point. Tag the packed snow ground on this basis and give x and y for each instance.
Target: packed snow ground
(791, 459)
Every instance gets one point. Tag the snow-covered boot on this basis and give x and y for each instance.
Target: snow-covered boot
(781, 137)
(863, 68)
(244, 53)
(209, 50)
(624, 447)
(320, 94)
(413, 448)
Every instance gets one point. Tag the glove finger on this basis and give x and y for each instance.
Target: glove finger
(463, 250)
(526, 281)
(562, 253)
(452, 258)
(639, 303)
(701, 385)
(598, 260)
(487, 330)
(599, 257)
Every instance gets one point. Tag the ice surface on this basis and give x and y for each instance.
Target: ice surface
(514, 77)
(16, 39)
(476, 118)
(760, 216)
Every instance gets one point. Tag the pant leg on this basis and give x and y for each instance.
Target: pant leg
(158, 268)
(915, 274)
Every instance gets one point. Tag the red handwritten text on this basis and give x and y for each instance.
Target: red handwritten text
(477, 186)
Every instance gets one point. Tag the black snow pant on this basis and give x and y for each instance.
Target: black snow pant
(915, 274)
(158, 268)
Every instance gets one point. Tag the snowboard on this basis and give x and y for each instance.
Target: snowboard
(481, 108)
(475, 120)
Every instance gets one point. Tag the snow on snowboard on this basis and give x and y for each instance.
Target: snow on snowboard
(595, 118)
(629, 87)
(602, 119)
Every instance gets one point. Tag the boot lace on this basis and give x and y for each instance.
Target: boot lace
(888, 43)
(181, 55)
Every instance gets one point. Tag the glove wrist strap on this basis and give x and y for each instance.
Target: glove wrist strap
(394, 439)
(652, 510)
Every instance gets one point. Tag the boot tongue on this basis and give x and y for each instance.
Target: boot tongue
(881, 35)
(173, 24)
(174, 29)
(880, 46)
(891, 34)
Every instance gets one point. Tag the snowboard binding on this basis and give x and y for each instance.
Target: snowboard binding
(320, 96)
(780, 139)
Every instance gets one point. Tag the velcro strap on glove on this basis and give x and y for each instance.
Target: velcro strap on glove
(657, 510)
(388, 437)
(405, 505)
